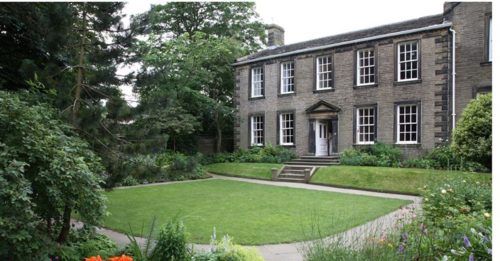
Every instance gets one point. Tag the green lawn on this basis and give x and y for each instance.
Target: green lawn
(250, 213)
(247, 170)
(405, 180)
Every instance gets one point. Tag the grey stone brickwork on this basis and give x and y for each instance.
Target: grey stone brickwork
(432, 91)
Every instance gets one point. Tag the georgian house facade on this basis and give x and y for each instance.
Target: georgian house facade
(397, 84)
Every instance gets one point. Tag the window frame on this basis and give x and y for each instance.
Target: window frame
(357, 74)
(280, 129)
(488, 39)
(251, 120)
(357, 124)
(317, 73)
(251, 81)
(283, 77)
(397, 123)
(397, 59)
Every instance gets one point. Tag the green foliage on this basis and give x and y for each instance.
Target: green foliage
(172, 242)
(129, 181)
(266, 154)
(472, 136)
(455, 225)
(226, 250)
(442, 157)
(19, 223)
(186, 65)
(379, 154)
(85, 242)
(53, 171)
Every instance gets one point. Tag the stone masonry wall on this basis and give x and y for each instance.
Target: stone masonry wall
(431, 91)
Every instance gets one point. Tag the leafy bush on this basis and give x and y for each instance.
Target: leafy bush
(226, 250)
(129, 181)
(455, 225)
(266, 154)
(143, 168)
(172, 243)
(442, 157)
(472, 137)
(378, 154)
(180, 166)
(46, 174)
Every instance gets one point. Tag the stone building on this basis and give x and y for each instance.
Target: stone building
(397, 84)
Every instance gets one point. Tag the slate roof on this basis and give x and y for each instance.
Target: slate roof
(350, 36)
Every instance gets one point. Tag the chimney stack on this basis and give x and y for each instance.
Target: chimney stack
(275, 35)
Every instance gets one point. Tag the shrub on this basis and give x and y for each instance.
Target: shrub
(442, 157)
(46, 174)
(455, 225)
(129, 181)
(143, 168)
(179, 166)
(172, 243)
(266, 154)
(472, 137)
(226, 250)
(378, 154)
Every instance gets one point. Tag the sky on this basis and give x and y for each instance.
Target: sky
(309, 19)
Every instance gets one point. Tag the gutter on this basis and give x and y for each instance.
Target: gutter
(371, 38)
(453, 73)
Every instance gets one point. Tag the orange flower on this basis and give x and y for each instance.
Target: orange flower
(121, 258)
(93, 258)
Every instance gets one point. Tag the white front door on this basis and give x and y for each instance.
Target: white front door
(321, 138)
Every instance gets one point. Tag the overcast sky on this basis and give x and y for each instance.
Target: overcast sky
(308, 19)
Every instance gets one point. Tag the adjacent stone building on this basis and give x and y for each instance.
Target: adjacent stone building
(393, 84)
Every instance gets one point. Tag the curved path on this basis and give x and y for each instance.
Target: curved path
(292, 251)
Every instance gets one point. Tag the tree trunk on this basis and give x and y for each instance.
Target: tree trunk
(218, 144)
(80, 68)
(63, 234)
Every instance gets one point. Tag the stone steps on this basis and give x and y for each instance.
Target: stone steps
(316, 161)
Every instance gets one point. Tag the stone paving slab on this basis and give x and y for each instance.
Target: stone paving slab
(293, 251)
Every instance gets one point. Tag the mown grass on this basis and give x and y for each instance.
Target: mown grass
(251, 213)
(246, 170)
(404, 180)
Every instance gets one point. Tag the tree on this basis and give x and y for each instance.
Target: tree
(237, 20)
(45, 170)
(33, 37)
(472, 137)
(187, 55)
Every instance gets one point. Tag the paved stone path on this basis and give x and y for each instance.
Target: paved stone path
(292, 251)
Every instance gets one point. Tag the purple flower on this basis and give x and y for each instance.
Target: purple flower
(471, 257)
(489, 251)
(404, 237)
(401, 248)
(485, 239)
(467, 244)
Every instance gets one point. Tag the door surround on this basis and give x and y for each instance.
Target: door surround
(327, 114)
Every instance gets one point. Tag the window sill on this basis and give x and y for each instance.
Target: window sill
(408, 145)
(255, 145)
(287, 94)
(323, 90)
(396, 83)
(487, 63)
(368, 86)
(256, 98)
(363, 144)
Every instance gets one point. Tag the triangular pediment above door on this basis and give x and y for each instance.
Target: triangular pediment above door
(322, 106)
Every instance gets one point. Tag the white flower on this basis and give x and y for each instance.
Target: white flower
(487, 215)
(443, 191)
